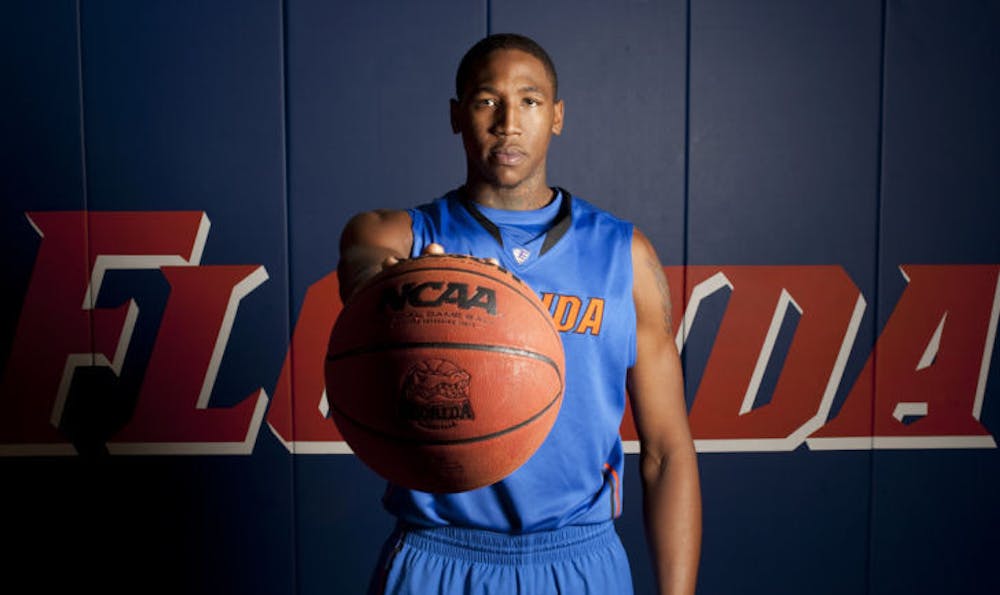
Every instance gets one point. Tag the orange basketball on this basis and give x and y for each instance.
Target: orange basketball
(444, 373)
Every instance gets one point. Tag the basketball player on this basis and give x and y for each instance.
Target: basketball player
(548, 527)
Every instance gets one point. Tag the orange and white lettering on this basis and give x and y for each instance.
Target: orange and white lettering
(301, 421)
(725, 415)
(172, 415)
(61, 329)
(930, 363)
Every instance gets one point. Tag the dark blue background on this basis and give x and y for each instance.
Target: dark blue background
(855, 133)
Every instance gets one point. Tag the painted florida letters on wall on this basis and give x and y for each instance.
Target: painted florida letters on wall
(937, 347)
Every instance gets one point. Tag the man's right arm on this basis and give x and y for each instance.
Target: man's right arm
(369, 242)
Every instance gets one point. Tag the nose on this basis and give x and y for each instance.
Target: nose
(506, 120)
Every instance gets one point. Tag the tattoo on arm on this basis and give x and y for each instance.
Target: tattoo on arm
(663, 291)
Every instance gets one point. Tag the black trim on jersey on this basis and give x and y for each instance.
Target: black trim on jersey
(562, 223)
(488, 225)
(555, 233)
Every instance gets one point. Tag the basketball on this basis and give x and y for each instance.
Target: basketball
(444, 373)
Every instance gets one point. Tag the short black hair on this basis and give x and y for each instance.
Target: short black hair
(502, 41)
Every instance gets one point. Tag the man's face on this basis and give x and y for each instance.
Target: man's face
(506, 116)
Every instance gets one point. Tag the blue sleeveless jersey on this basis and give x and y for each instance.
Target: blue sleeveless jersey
(583, 273)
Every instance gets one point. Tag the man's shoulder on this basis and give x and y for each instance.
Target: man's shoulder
(584, 208)
(443, 201)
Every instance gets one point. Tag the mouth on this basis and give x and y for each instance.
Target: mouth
(507, 155)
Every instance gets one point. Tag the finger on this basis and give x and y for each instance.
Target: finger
(390, 261)
(434, 248)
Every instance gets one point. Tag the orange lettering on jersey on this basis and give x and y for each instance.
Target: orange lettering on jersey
(567, 309)
(592, 317)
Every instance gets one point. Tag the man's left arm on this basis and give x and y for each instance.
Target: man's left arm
(667, 460)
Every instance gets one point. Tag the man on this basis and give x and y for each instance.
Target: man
(548, 527)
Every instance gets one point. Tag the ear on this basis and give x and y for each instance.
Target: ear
(557, 120)
(453, 106)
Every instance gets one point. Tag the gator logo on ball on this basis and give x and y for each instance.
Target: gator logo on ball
(435, 395)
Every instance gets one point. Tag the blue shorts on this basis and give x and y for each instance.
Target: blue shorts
(457, 561)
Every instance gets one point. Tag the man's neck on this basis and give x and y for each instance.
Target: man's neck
(511, 199)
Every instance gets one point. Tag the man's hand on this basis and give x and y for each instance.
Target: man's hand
(370, 242)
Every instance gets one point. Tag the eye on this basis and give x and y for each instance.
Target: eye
(531, 101)
(486, 102)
